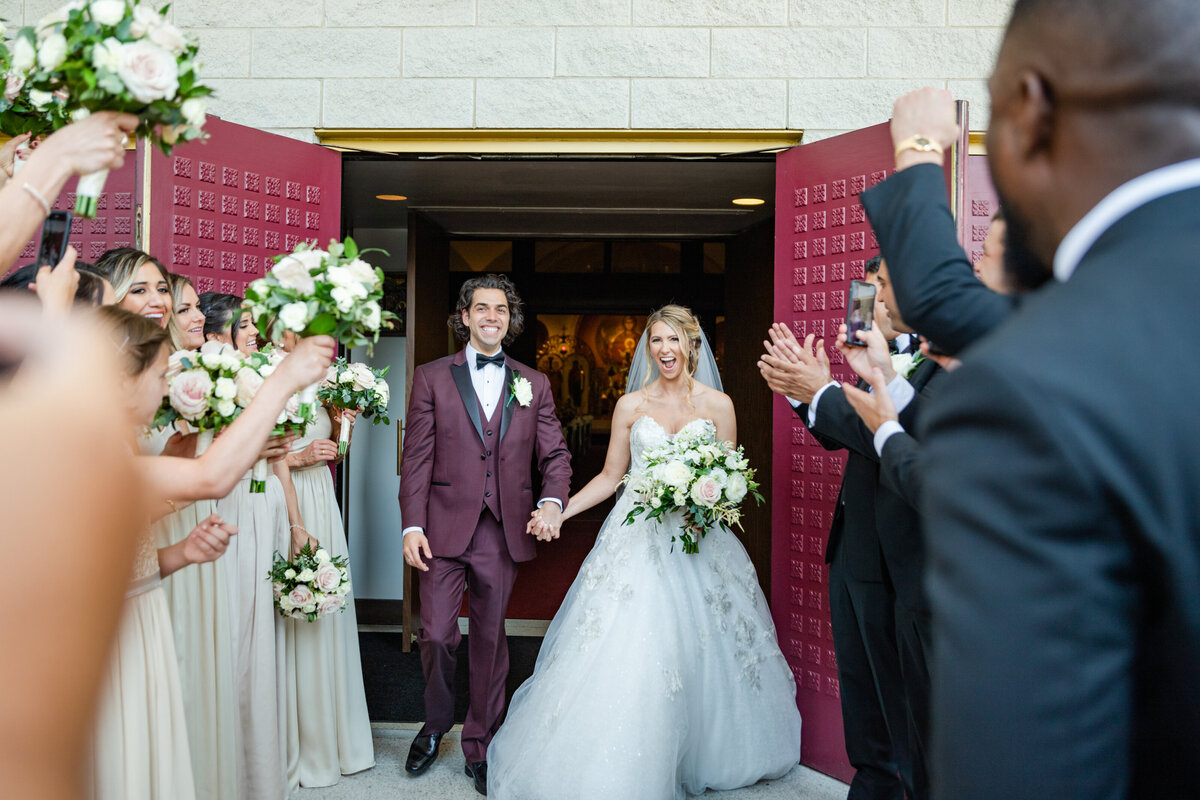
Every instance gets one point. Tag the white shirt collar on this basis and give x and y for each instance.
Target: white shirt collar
(1121, 201)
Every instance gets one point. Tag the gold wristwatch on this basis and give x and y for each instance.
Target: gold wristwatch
(922, 144)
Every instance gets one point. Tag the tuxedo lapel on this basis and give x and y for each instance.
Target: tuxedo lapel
(466, 389)
(509, 407)
(922, 373)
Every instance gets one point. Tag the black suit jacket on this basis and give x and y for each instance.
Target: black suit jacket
(875, 521)
(899, 467)
(935, 284)
(1062, 507)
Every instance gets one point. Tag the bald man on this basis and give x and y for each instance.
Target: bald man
(1062, 467)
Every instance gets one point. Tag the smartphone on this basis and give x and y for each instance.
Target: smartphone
(54, 238)
(860, 311)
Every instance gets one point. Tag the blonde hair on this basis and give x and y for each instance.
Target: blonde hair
(681, 320)
(175, 284)
(120, 266)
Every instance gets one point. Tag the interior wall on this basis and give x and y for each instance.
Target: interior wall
(749, 290)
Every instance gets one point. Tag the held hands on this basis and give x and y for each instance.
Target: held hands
(415, 543)
(926, 112)
(208, 540)
(875, 407)
(545, 523)
(864, 359)
(792, 369)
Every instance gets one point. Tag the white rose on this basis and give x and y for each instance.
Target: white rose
(327, 578)
(705, 491)
(289, 573)
(108, 12)
(258, 288)
(189, 393)
(194, 111)
(23, 55)
(145, 18)
(168, 37)
(39, 98)
(294, 316)
(225, 407)
(720, 476)
(107, 54)
(675, 474)
(344, 588)
(305, 575)
(311, 259)
(322, 556)
(341, 276)
(678, 498)
(211, 361)
(371, 315)
(301, 595)
(225, 389)
(52, 52)
(285, 604)
(363, 271)
(381, 389)
(363, 377)
(736, 488)
(344, 297)
(149, 72)
(523, 391)
(13, 83)
(731, 461)
(292, 273)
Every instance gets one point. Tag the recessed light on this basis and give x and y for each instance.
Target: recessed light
(400, 197)
(748, 201)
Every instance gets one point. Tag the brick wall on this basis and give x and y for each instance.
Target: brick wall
(822, 65)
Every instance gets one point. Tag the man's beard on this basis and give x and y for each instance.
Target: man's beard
(1026, 270)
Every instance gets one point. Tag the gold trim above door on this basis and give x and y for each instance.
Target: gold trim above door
(554, 140)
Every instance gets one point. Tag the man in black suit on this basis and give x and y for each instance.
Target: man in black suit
(1061, 468)
(875, 559)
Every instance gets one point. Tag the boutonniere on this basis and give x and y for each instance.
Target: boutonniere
(521, 390)
(904, 363)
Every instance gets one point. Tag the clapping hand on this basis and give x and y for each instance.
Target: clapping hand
(865, 359)
(208, 540)
(791, 369)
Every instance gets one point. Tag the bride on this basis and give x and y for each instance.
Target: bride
(661, 672)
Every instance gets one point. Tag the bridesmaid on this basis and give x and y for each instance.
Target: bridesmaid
(199, 604)
(139, 283)
(266, 522)
(325, 684)
(140, 743)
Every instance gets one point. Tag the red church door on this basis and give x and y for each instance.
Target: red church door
(822, 241)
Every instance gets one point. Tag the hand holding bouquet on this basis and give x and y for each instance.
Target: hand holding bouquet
(356, 387)
(292, 419)
(106, 55)
(697, 474)
(311, 585)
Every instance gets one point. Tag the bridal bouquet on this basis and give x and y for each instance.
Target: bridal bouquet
(292, 419)
(310, 586)
(359, 387)
(104, 55)
(206, 388)
(697, 474)
(315, 292)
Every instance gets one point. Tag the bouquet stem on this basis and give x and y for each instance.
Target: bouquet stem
(344, 434)
(87, 194)
(308, 401)
(204, 440)
(258, 476)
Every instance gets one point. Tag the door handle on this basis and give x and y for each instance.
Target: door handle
(399, 443)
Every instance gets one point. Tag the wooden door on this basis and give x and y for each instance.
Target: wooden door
(822, 241)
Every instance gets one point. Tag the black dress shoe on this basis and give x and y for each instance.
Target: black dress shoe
(478, 771)
(424, 751)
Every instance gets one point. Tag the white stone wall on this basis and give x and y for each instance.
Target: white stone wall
(822, 65)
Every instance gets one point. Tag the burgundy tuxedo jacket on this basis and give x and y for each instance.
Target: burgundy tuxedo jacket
(447, 452)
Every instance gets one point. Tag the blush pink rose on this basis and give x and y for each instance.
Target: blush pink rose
(331, 604)
(328, 577)
(301, 596)
(149, 72)
(189, 393)
(706, 491)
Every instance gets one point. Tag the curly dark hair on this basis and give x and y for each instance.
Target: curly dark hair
(516, 313)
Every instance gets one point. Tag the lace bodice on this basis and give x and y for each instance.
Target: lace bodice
(646, 433)
(146, 559)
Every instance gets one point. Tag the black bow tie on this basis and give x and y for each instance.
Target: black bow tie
(482, 361)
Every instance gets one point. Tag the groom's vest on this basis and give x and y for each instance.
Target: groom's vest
(491, 453)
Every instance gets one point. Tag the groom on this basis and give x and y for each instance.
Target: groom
(476, 421)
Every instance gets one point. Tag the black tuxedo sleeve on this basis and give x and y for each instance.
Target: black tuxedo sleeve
(1036, 607)
(823, 440)
(838, 421)
(935, 285)
(899, 468)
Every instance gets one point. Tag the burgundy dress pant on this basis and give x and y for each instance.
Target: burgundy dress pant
(488, 572)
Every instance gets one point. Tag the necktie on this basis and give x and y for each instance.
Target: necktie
(482, 361)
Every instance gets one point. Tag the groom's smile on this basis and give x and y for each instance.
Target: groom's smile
(487, 319)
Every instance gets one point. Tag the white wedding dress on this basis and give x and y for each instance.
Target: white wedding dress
(660, 673)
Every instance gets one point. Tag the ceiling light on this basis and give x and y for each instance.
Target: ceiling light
(748, 201)
(400, 197)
